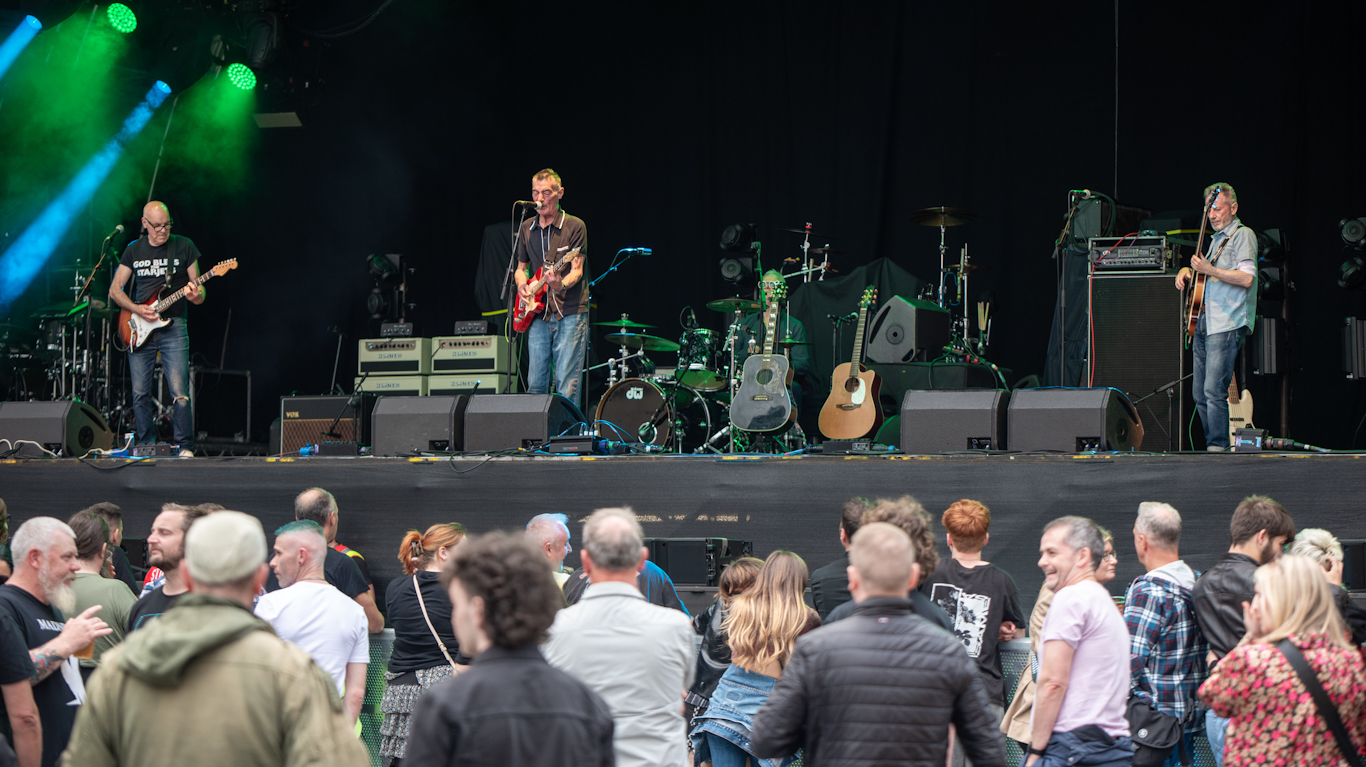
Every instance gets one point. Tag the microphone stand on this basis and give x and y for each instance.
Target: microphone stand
(332, 428)
(336, 360)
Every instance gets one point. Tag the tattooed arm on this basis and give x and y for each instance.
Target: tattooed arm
(76, 634)
(45, 661)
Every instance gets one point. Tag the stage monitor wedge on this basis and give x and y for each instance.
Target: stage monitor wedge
(903, 327)
(408, 425)
(70, 429)
(495, 422)
(1060, 420)
(953, 420)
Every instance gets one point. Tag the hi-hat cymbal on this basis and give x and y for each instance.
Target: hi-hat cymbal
(803, 231)
(728, 305)
(642, 341)
(942, 216)
(828, 251)
(622, 323)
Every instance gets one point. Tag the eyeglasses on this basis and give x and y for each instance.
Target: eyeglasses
(159, 227)
(1111, 557)
(543, 192)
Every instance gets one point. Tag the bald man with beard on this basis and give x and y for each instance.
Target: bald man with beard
(155, 262)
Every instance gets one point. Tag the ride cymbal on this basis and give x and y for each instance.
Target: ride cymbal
(942, 216)
(642, 341)
(728, 305)
(622, 323)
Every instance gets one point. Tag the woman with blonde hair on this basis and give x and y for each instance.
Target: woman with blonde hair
(1273, 715)
(425, 650)
(762, 626)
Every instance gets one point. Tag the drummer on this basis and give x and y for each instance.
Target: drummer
(789, 329)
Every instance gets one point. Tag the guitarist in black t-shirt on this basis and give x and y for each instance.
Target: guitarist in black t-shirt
(156, 261)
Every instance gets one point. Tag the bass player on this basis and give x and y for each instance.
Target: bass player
(1230, 307)
(155, 261)
(560, 333)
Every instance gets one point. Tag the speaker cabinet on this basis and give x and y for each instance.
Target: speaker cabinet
(953, 420)
(406, 425)
(905, 326)
(71, 429)
(304, 419)
(1139, 347)
(516, 421)
(1072, 421)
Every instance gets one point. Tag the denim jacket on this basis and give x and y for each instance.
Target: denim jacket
(737, 698)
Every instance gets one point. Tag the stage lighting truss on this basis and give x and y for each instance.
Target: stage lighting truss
(241, 76)
(122, 18)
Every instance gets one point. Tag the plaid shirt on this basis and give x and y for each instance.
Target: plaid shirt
(1166, 649)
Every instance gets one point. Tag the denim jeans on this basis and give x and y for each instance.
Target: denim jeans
(1212, 360)
(728, 716)
(564, 340)
(1065, 749)
(1174, 759)
(1216, 729)
(173, 343)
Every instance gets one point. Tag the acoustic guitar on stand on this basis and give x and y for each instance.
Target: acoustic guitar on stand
(762, 403)
(527, 308)
(852, 410)
(134, 330)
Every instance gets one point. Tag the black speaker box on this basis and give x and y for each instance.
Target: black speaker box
(905, 326)
(405, 425)
(516, 421)
(1072, 421)
(71, 429)
(952, 420)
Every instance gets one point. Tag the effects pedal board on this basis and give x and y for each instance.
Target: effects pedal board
(394, 356)
(156, 450)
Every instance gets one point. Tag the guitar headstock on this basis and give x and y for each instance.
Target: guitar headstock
(775, 288)
(1213, 196)
(869, 297)
(222, 267)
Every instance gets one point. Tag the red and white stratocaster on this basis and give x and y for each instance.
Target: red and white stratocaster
(134, 330)
(527, 308)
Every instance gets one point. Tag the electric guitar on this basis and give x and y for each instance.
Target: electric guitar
(762, 404)
(852, 410)
(1239, 410)
(134, 330)
(1195, 297)
(527, 308)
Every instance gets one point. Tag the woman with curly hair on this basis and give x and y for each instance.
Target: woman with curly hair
(425, 648)
(762, 626)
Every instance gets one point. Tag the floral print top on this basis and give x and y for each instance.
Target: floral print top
(1274, 720)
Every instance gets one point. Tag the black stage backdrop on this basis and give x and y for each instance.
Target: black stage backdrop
(669, 122)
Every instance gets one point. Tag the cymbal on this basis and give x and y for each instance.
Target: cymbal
(642, 341)
(803, 231)
(622, 323)
(59, 311)
(728, 305)
(829, 251)
(942, 216)
(790, 342)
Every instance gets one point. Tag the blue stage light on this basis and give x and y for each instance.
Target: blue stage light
(17, 41)
(31, 249)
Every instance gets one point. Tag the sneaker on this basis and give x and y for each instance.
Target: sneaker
(1216, 449)
(186, 453)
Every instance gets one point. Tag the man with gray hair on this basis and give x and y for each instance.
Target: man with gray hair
(345, 568)
(1166, 649)
(637, 656)
(209, 683)
(38, 597)
(549, 533)
(1079, 705)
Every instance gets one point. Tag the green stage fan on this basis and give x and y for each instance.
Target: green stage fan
(122, 18)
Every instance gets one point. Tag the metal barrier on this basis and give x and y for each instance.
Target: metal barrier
(381, 647)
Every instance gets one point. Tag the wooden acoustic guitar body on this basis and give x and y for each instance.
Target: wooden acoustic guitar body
(852, 410)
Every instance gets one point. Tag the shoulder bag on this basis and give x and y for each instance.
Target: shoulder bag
(423, 604)
(1327, 711)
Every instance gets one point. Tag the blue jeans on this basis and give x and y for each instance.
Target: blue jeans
(173, 343)
(1212, 360)
(728, 716)
(565, 340)
(1065, 749)
(1174, 759)
(1216, 728)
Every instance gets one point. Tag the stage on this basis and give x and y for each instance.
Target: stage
(775, 502)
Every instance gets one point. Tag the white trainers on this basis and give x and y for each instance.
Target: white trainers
(186, 453)
(1216, 449)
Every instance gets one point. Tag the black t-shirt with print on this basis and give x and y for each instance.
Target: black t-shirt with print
(977, 600)
(151, 607)
(40, 624)
(153, 268)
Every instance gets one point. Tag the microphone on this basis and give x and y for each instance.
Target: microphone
(117, 230)
(1085, 193)
(646, 251)
(528, 204)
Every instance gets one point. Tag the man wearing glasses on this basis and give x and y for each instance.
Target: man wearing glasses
(561, 332)
(160, 260)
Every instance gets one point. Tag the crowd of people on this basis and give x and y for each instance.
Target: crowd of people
(240, 652)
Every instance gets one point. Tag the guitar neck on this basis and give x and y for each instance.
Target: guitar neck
(770, 327)
(179, 294)
(856, 361)
(537, 284)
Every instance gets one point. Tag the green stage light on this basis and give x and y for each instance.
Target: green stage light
(241, 76)
(122, 18)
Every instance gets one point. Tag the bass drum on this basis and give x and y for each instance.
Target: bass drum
(670, 416)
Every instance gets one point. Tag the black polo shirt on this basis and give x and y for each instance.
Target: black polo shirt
(563, 235)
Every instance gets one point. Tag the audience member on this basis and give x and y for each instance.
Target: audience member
(652, 582)
(883, 686)
(511, 707)
(1079, 704)
(37, 598)
(1273, 718)
(313, 614)
(1020, 713)
(830, 584)
(713, 654)
(1106, 571)
(123, 569)
(762, 626)
(344, 567)
(1259, 529)
(6, 557)
(22, 727)
(1320, 546)
(166, 551)
(1166, 650)
(113, 596)
(636, 655)
(156, 577)
(210, 684)
(550, 533)
(425, 648)
(911, 518)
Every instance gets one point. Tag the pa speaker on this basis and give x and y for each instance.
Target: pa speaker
(516, 421)
(405, 425)
(66, 428)
(953, 420)
(905, 326)
(1073, 421)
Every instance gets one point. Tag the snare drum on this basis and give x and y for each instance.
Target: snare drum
(697, 367)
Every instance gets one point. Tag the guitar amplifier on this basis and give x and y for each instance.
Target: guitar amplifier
(489, 383)
(304, 419)
(393, 386)
(395, 356)
(1130, 254)
(471, 354)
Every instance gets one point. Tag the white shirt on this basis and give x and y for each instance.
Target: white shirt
(639, 658)
(326, 623)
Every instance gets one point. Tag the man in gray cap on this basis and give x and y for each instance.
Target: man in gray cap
(209, 683)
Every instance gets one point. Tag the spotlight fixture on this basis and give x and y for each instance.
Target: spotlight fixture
(241, 76)
(122, 18)
(387, 299)
(1353, 231)
(738, 238)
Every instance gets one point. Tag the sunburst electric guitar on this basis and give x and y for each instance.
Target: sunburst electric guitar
(852, 410)
(134, 330)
